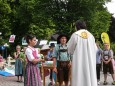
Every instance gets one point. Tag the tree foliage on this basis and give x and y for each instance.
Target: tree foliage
(64, 13)
(45, 17)
(111, 31)
(33, 22)
(5, 25)
(99, 23)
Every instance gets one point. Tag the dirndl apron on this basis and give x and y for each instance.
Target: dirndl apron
(32, 73)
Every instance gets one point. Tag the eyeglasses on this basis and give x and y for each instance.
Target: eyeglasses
(106, 45)
(18, 48)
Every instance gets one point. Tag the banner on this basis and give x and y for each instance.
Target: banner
(12, 38)
(43, 42)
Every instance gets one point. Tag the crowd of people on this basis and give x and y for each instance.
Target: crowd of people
(79, 58)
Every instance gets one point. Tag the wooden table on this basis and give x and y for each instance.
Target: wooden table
(47, 67)
(51, 67)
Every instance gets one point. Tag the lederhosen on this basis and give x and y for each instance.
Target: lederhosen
(107, 67)
(62, 67)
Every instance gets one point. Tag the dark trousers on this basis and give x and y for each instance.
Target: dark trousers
(98, 69)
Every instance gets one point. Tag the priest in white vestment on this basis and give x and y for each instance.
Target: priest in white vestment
(83, 48)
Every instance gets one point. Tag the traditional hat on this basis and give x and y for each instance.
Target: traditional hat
(59, 37)
(105, 38)
(52, 45)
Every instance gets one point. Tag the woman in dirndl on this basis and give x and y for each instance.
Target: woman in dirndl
(18, 64)
(32, 73)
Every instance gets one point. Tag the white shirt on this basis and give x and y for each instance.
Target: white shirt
(29, 54)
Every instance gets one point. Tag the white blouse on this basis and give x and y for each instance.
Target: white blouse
(29, 54)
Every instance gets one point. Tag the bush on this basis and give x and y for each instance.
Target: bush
(113, 47)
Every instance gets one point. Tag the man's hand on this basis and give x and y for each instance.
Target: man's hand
(55, 69)
(50, 59)
(69, 65)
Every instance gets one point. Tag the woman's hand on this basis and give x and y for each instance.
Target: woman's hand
(21, 59)
(42, 60)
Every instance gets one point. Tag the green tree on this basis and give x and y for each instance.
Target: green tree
(111, 31)
(5, 25)
(30, 21)
(45, 17)
(99, 23)
(63, 13)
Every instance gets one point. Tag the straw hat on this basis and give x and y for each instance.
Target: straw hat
(45, 47)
